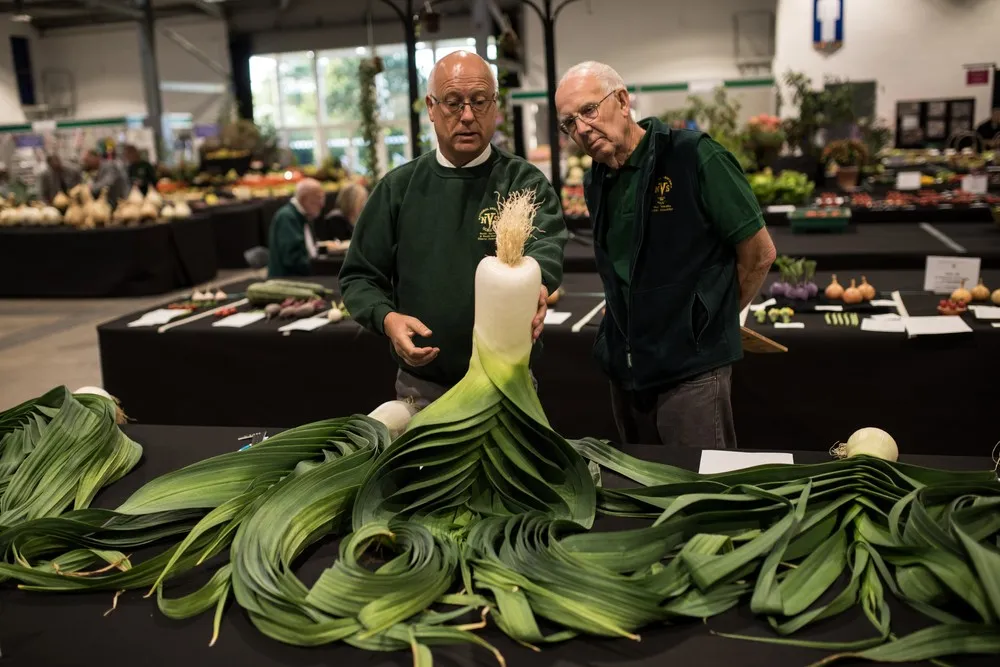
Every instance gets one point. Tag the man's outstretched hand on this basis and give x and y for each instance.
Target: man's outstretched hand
(538, 323)
(400, 329)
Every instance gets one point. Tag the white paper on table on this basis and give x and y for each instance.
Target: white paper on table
(935, 325)
(888, 303)
(762, 305)
(556, 317)
(155, 318)
(832, 309)
(306, 324)
(943, 275)
(987, 312)
(975, 183)
(908, 180)
(726, 460)
(892, 317)
(883, 325)
(781, 208)
(789, 325)
(240, 320)
(996, 325)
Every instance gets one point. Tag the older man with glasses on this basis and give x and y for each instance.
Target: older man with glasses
(681, 248)
(410, 271)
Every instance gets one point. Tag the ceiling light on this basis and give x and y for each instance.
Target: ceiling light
(21, 18)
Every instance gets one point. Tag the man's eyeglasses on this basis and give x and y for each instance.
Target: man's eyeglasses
(455, 107)
(588, 113)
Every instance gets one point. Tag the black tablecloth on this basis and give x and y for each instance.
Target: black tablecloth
(45, 630)
(890, 245)
(831, 382)
(118, 261)
(238, 227)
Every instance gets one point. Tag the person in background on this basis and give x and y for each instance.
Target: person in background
(681, 249)
(5, 186)
(140, 171)
(990, 129)
(290, 240)
(107, 173)
(409, 273)
(337, 227)
(56, 178)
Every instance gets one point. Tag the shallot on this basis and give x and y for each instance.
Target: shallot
(868, 441)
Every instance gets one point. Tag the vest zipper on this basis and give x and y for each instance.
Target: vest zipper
(641, 219)
(599, 234)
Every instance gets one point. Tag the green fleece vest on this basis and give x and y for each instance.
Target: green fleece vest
(679, 316)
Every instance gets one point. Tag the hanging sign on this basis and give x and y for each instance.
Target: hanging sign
(828, 25)
(977, 77)
(29, 141)
(206, 131)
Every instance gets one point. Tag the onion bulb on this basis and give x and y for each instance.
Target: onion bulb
(153, 197)
(100, 210)
(961, 295)
(852, 294)
(74, 215)
(834, 290)
(866, 289)
(334, 314)
(868, 441)
(51, 215)
(135, 196)
(120, 417)
(149, 211)
(61, 201)
(396, 415)
(980, 292)
(167, 212)
(182, 210)
(995, 297)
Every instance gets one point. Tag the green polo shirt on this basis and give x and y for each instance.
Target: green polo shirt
(726, 199)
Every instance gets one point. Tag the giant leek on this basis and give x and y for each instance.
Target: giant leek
(481, 513)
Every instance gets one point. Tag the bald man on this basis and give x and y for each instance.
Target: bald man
(410, 271)
(290, 240)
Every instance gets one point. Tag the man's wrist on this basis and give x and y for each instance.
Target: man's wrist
(381, 314)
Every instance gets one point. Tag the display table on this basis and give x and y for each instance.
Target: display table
(42, 629)
(237, 228)
(143, 260)
(832, 381)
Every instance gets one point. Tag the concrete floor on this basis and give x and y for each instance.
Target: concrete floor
(45, 343)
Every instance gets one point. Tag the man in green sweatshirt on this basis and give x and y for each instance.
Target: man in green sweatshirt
(410, 271)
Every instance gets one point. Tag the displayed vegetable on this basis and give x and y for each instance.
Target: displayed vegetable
(272, 310)
(866, 289)
(181, 209)
(276, 291)
(788, 188)
(477, 506)
(167, 212)
(135, 196)
(961, 294)
(61, 201)
(149, 211)
(796, 279)
(786, 314)
(868, 441)
(980, 292)
(50, 215)
(100, 209)
(852, 294)
(74, 215)
(761, 315)
(334, 315)
(834, 291)
(995, 297)
(842, 319)
(951, 307)
(153, 197)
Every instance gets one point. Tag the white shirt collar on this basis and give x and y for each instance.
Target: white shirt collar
(483, 157)
(307, 231)
(298, 207)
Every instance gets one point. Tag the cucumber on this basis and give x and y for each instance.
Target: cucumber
(318, 289)
(264, 293)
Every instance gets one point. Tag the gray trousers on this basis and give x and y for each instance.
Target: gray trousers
(422, 393)
(694, 413)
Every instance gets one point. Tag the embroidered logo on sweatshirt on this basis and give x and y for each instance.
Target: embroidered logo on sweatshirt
(486, 217)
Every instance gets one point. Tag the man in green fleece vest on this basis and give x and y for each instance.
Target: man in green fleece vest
(681, 248)
(290, 241)
(410, 271)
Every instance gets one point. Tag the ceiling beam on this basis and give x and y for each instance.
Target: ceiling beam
(212, 9)
(121, 10)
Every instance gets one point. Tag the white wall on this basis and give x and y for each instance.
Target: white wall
(10, 103)
(104, 63)
(914, 49)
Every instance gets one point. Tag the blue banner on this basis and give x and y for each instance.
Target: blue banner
(29, 141)
(206, 131)
(828, 23)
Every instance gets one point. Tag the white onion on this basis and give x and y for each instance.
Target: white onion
(94, 390)
(869, 441)
(506, 303)
(396, 415)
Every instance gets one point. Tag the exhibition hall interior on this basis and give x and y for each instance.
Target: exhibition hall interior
(499, 332)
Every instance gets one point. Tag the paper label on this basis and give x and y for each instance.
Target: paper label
(988, 313)
(239, 320)
(908, 180)
(556, 317)
(726, 460)
(996, 325)
(885, 326)
(885, 303)
(975, 183)
(885, 316)
(306, 324)
(943, 275)
(754, 307)
(789, 325)
(781, 208)
(936, 325)
(155, 318)
(832, 309)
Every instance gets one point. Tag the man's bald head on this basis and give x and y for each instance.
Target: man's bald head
(460, 64)
(310, 196)
(461, 102)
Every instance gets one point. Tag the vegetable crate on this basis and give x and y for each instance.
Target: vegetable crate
(816, 219)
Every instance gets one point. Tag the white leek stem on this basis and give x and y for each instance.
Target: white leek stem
(506, 302)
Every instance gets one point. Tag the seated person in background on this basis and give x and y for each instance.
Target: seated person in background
(108, 174)
(57, 178)
(990, 128)
(290, 241)
(338, 226)
(140, 171)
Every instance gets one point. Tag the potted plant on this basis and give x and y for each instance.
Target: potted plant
(849, 155)
(765, 138)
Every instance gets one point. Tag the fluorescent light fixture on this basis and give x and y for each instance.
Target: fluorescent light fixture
(21, 18)
(471, 41)
(421, 45)
(361, 50)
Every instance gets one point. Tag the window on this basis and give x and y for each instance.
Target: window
(311, 98)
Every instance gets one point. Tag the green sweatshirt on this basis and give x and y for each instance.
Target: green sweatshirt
(419, 240)
(287, 244)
